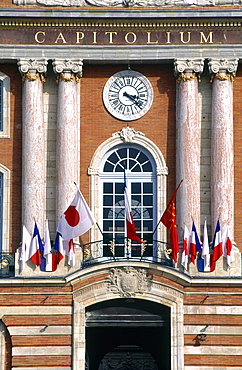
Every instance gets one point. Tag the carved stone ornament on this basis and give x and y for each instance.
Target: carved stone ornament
(128, 134)
(68, 66)
(128, 281)
(188, 65)
(128, 3)
(223, 66)
(32, 65)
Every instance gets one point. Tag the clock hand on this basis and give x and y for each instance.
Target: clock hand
(132, 97)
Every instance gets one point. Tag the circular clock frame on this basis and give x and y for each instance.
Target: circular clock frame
(128, 95)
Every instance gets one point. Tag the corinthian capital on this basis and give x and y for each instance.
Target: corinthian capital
(188, 65)
(68, 66)
(32, 65)
(223, 66)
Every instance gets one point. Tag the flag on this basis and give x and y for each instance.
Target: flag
(69, 251)
(217, 246)
(35, 246)
(24, 253)
(169, 220)
(228, 252)
(77, 219)
(185, 248)
(58, 249)
(203, 261)
(131, 231)
(205, 249)
(48, 259)
(195, 244)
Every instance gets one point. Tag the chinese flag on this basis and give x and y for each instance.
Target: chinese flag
(169, 220)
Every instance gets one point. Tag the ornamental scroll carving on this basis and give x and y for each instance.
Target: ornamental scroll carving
(33, 69)
(222, 69)
(128, 134)
(128, 281)
(128, 3)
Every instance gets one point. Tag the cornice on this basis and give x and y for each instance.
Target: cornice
(115, 24)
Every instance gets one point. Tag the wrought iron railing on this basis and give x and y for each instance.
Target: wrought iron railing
(7, 265)
(116, 250)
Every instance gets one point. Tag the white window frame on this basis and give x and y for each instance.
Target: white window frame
(5, 132)
(127, 135)
(6, 208)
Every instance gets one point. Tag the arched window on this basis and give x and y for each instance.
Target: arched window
(141, 185)
(146, 180)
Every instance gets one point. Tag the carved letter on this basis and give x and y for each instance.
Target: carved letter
(134, 37)
(36, 37)
(204, 39)
(110, 36)
(94, 37)
(79, 36)
(149, 40)
(60, 37)
(168, 37)
(188, 37)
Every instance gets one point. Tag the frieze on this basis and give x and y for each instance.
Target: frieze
(76, 37)
(128, 281)
(127, 3)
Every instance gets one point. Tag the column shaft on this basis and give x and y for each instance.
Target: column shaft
(188, 144)
(33, 148)
(222, 152)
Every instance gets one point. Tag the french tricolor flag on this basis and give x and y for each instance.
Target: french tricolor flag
(217, 247)
(36, 246)
(203, 262)
(131, 231)
(195, 244)
(58, 248)
(48, 259)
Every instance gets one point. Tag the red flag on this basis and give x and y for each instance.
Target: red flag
(169, 220)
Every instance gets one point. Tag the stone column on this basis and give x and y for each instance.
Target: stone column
(33, 140)
(188, 142)
(222, 153)
(67, 135)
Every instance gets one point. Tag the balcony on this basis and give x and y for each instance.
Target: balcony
(100, 252)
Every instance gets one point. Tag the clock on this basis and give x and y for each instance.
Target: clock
(128, 95)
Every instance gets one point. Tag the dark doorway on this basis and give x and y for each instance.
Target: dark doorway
(139, 329)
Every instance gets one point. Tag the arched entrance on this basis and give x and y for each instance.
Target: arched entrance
(128, 334)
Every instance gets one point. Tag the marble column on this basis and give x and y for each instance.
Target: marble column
(188, 142)
(222, 153)
(67, 134)
(33, 143)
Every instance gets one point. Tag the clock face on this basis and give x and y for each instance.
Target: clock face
(128, 95)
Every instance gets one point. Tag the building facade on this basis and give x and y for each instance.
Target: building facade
(90, 89)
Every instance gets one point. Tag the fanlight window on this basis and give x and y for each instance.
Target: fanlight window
(141, 186)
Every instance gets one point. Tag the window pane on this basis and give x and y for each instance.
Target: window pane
(133, 152)
(113, 158)
(147, 167)
(136, 188)
(108, 225)
(108, 167)
(119, 188)
(107, 187)
(107, 200)
(148, 187)
(148, 200)
(122, 153)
